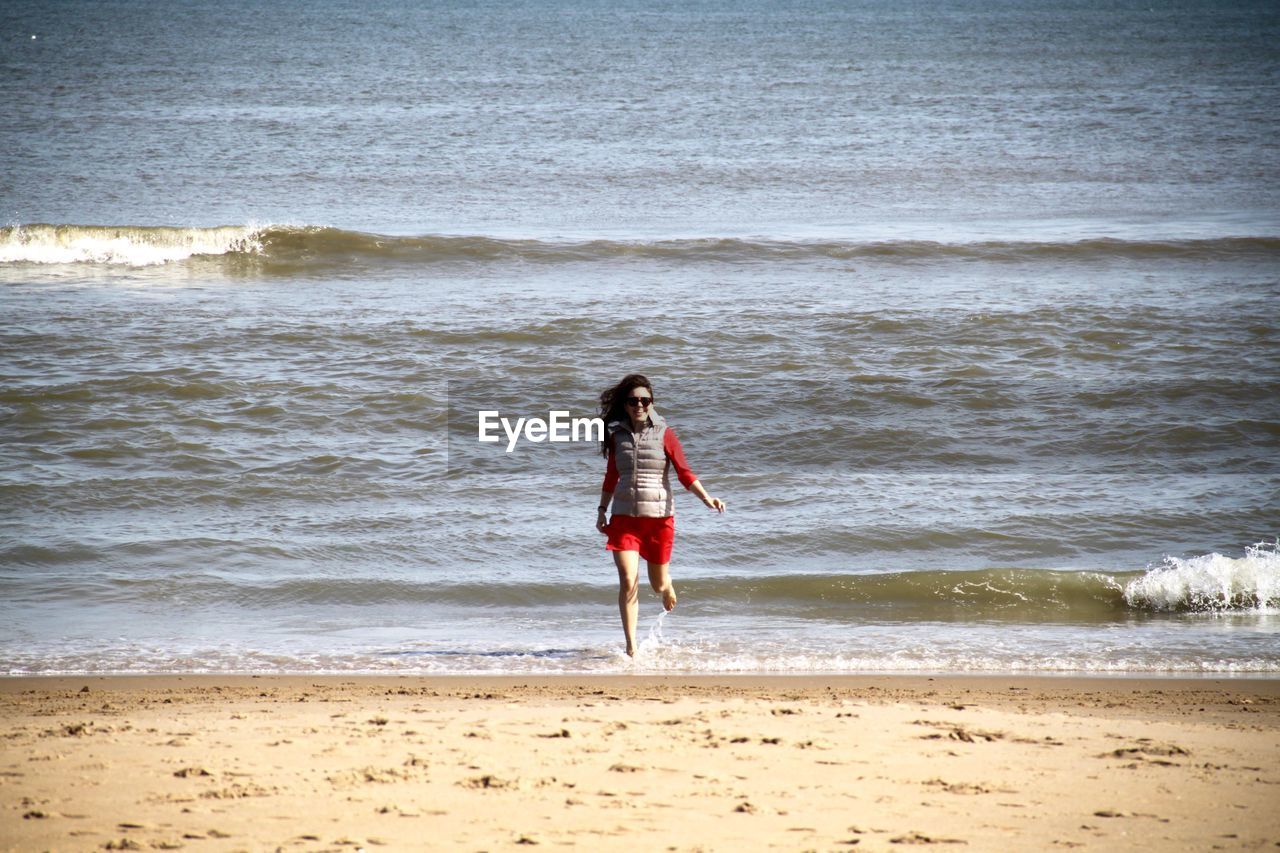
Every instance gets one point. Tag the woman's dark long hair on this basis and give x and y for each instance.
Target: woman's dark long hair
(613, 403)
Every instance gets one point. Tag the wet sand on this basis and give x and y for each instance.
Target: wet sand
(639, 763)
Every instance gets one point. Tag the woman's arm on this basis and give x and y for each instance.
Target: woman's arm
(606, 491)
(675, 453)
(602, 520)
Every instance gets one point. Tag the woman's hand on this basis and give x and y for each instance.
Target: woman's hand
(712, 503)
(602, 521)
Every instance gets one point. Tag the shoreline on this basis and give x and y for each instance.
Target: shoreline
(1047, 676)
(1066, 684)
(137, 679)
(248, 762)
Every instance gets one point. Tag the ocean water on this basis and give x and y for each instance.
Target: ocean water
(969, 314)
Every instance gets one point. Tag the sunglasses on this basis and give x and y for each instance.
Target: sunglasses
(642, 402)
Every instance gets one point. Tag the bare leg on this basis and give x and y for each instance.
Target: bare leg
(628, 563)
(660, 580)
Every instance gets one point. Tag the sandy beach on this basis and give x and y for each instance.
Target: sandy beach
(648, 763)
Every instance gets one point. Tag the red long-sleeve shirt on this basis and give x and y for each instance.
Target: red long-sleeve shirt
(675, 453)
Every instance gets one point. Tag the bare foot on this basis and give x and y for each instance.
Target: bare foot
(631, 651)
(669, 598)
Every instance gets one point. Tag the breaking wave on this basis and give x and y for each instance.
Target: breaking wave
(283, 249)
(132, 246)
(1212, 583)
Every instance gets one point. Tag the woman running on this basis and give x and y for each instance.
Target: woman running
(641, 451)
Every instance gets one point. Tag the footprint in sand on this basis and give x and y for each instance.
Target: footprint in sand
(1145, 748)
(921, 838)
(188, 772)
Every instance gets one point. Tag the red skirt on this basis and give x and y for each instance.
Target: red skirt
(652, 537)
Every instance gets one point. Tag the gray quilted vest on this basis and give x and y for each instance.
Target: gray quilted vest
(644, 472)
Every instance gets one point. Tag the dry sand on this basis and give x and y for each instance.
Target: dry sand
(870, 763)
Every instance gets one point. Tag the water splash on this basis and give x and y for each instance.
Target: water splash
(1212, 583)
(651, 644)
